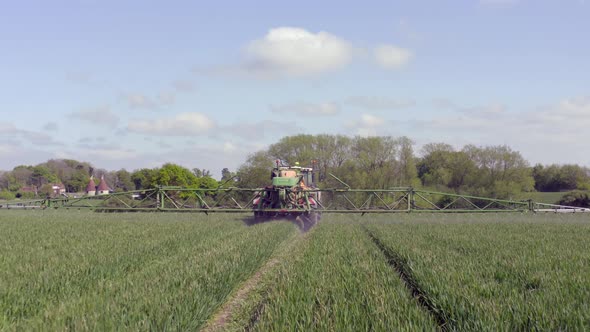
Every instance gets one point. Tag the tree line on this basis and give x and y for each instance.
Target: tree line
(362, 162)
(37, 181)
(386, 162)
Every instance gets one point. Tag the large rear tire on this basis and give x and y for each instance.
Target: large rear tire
(307, 220)
(260, 216)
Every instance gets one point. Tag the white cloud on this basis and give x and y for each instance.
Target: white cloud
(98, 146)
(575, 107)
(307, 108)
(229, 147)
(39, 139)
(97, 116)
(368, 120)
(191, 155)
(296, 51)
(141, 101)
(136, 100)
(183, 124)
(255, 131)
(367, 125)
(8, 130)
(10, 141)
(114, 154)
(392, 57)
(11, 156)
(6, 149)
(551, 134)
(379, 103)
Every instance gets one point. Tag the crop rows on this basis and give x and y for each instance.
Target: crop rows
(340, 282)
(137, 271)
(90, 271)
(492, 273)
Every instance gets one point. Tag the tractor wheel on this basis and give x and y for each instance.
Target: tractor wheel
(307, 221)
(259, 216)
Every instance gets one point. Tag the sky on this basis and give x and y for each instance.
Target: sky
(132, 84)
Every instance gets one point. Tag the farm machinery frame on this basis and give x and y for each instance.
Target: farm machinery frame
(333, 200)
(291, 193)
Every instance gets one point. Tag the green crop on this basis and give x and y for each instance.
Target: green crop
(498, 272)
(93, 271)
(78, 270)
(340, 282)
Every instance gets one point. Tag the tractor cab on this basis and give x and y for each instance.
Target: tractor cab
(291, 176)
(292, 193)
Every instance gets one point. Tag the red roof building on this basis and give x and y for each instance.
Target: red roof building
(58, 188)
(91, 187)
(30, 189)
(103, 188)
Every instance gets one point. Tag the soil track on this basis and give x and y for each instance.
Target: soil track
(225, 315)
(400, 265)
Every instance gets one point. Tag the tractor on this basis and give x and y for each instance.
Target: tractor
(292, 195)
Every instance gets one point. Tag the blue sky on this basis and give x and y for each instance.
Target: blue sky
(137, 83)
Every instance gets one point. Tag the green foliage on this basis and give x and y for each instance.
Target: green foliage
(6, 195)
(90, 271)
(25, 195)
(496, 273)
(77, 181)
(385, 162)
(206, 183)
(227, 176)
(561, 177)
(46, 190)
(174, 271)
(340, 281)
(144, 178)
(8, 181)
(576, 198)
(494, 171)
(255, 172)
(123, 181)
(364, 162)
(72, 174)
(542, 197)
(21, 176)
(42, 175)
(175, 175)
(198, 172)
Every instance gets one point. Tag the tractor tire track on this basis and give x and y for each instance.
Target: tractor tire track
(225, 315)
(400, 265)
(258, 311)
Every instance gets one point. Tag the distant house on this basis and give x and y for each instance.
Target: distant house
(58, 188)
(29, 189)
(103, 188)
(91, 187)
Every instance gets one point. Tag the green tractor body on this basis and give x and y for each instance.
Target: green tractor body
(292, 194)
